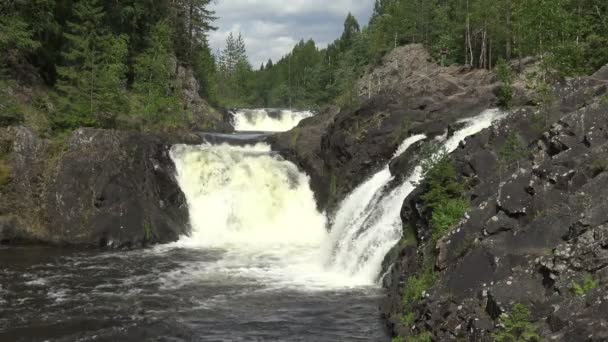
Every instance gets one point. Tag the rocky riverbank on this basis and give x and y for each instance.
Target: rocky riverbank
(100, 188)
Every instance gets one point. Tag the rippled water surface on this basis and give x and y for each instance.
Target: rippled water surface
(172, 294)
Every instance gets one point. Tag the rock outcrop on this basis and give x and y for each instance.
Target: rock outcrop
(414, 95)
(98, 188)
(536, 233)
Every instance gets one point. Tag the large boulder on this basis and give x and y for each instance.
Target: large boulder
(99, 188)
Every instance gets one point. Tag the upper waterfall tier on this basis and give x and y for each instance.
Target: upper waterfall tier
(267, 120)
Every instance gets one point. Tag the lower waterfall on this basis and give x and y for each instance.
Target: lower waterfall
(260, 210)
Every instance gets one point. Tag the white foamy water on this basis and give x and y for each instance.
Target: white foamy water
(259, 210)
(260, 120)
(368, 224)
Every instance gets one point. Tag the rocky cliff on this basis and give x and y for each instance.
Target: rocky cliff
(535, 236)
(410, 94)
(96, 188)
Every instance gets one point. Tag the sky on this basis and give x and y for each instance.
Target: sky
(271, 28)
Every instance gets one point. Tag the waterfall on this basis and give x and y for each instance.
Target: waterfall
(367, 224)
(259, 211)
(265, 120)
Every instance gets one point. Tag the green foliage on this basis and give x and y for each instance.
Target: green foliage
(589, 284)
(424, 336)
(443, 195)
(511, 151)
(296, 135)
(505, 75)
(416, 285)
(10, 113)
(517, 326)
(93, 77)
(92, 54)
(409, 237)
(155, 99)
(407, 319)
(446, 215)
(398, 339)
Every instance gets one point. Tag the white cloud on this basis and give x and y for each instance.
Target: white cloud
(272, 27)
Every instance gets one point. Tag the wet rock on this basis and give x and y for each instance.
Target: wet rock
(102, 188)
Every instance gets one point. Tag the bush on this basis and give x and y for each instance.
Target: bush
(418, 284)
(407, 319)
(517, 326)
(589, 284)
(505, 75)
(446, 215)
(443, 196)
(511, 151)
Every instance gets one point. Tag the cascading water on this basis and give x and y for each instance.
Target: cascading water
(263, 120)
(259, 209)
(260, 264)
(367, 224)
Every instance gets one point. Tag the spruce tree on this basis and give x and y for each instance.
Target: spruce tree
(155, 96)
(92, 78)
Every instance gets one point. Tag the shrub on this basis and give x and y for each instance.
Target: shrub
(407, 319)
(505, 75)
(417, 284)
(511, 151)
(517, 326)
(443, 196)
(424, 336)
(589, 284)
(446, 215)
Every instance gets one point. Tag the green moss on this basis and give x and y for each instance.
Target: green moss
(517, 326)
(295, 137)
(598, 166)
(409, 237)
(417, 285)
(5, 172)
(589, 284)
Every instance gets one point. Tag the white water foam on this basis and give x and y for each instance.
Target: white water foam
(258, 212)
(367, 223)
(259, 120)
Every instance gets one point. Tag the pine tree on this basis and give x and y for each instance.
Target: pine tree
(92, 79)
(156, 100)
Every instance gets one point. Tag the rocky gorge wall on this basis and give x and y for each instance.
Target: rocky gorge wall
(99, 188)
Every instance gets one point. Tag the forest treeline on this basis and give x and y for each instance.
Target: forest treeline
(570, 37)
(115, 64)
(108, 63)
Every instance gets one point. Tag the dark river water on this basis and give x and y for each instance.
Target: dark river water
(173, 294)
